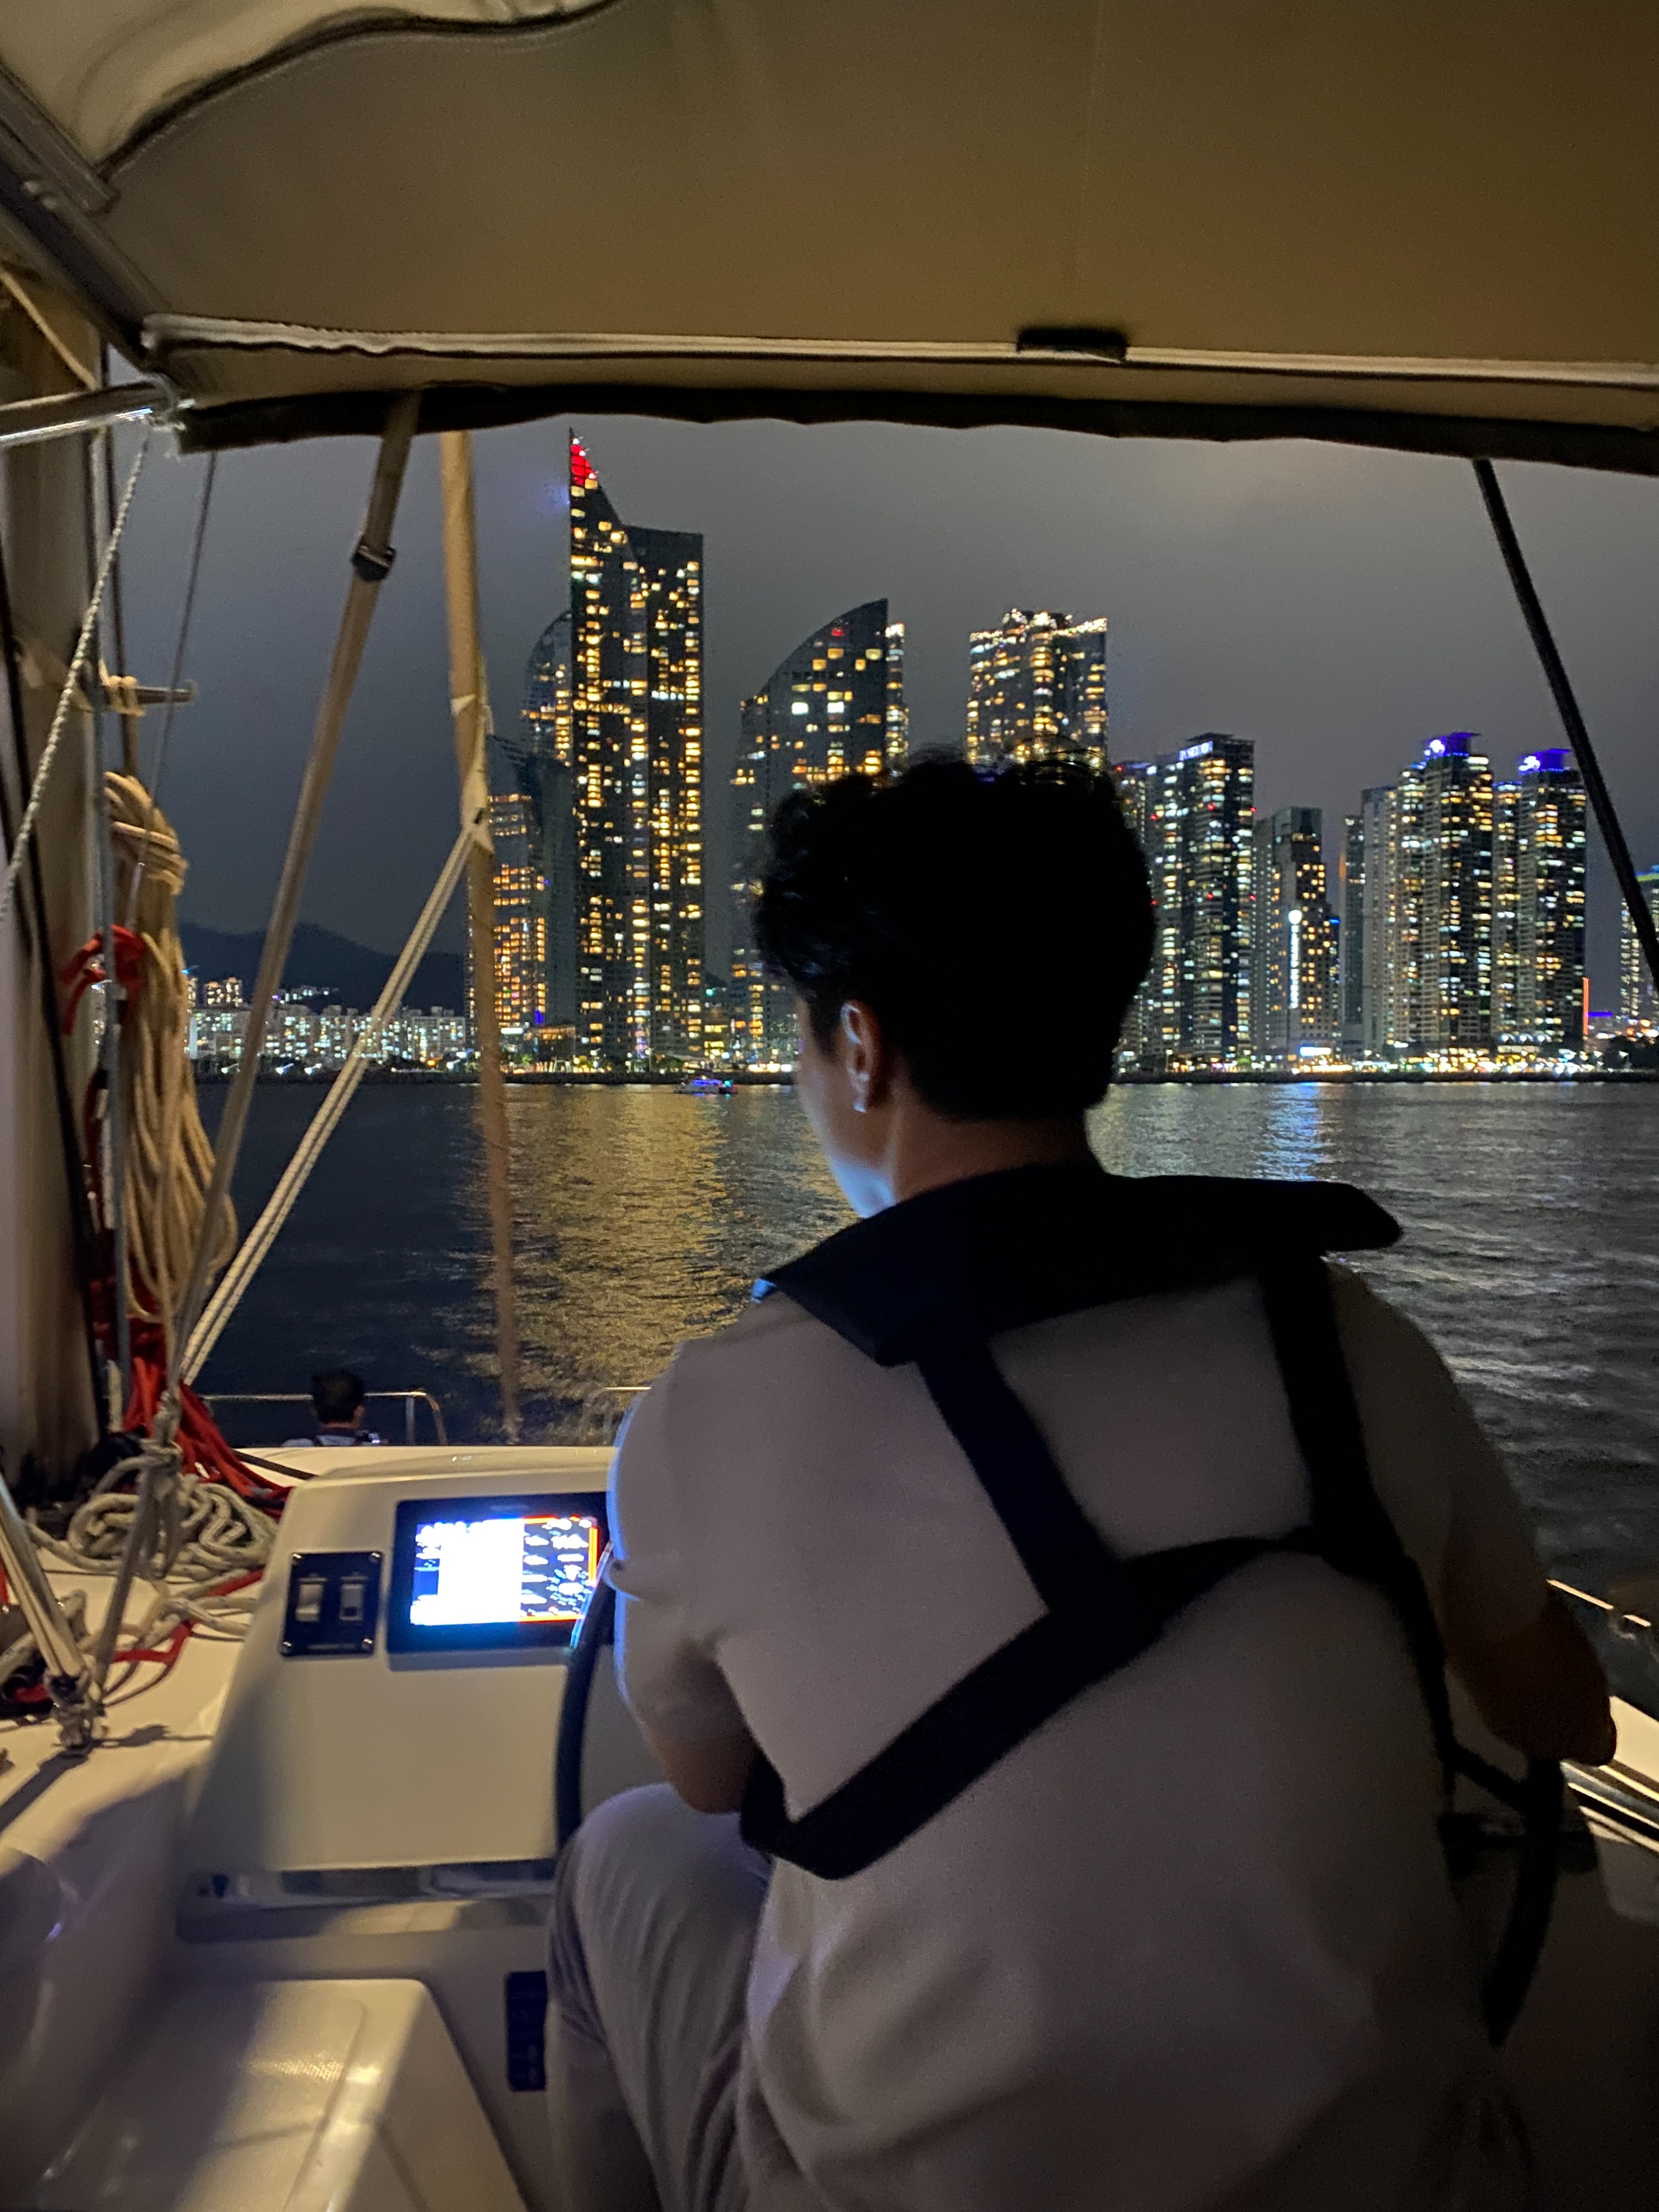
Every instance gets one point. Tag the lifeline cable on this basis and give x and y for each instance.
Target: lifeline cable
(264, 1233)
(371, 564)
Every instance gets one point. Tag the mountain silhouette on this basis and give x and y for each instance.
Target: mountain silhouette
(347, 974)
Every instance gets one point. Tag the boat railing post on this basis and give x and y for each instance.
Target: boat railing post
(69, 1673)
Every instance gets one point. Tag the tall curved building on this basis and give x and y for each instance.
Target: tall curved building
(834, 706)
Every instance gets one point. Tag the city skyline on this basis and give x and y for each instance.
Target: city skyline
(1457, 932)
(1338, 606)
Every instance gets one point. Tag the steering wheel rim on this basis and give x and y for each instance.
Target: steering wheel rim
(596, 1628)
(1537, 1800)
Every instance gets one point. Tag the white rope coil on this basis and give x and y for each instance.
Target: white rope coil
(207, 1536)
(69, 693)
(169, 1160)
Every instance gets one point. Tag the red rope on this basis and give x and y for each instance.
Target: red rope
(204, 1450)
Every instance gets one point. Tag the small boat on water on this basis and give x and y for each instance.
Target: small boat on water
(705, 1087)
(279, 1808)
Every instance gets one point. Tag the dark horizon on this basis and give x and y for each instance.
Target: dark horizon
(1339, 607)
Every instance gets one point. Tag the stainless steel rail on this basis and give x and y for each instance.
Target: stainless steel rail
(28, 422)
(68, 1669)
(408, 1399)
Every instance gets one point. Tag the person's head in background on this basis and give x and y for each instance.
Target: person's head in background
(336, 1398)
(964, 945)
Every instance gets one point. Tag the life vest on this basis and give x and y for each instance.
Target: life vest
(931, 1283)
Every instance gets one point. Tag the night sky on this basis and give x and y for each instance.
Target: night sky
(1339, 607)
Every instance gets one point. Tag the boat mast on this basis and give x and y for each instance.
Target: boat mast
(468, 703)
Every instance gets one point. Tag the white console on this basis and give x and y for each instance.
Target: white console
(338, 1751)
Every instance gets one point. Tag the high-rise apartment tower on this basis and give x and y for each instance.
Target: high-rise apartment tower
(1293, 963)
(1351, 941)
(1037, 690)
(520, 931)
(636, 760)
(1549, 879)
(1444, 906)
(539, 751)
(1638, 1007)
(834, 706)
(1194, 812)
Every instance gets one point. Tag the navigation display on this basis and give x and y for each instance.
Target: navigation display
(479, 1574)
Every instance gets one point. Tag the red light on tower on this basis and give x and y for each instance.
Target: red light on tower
(582, 478)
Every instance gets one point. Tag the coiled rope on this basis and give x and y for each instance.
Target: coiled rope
(169, 1159)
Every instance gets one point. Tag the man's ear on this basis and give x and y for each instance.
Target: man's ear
(865, 1054)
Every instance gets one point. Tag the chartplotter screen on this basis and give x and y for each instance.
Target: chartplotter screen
(480, 1574)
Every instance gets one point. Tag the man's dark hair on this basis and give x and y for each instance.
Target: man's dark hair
(337, 1394)
(998, 922)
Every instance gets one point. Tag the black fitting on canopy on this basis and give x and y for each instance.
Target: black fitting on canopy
(373, 562)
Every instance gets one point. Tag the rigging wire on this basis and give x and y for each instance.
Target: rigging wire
(266, 1231)
(67, 697)
(371, 564)
(1567, 705)
(181, 641)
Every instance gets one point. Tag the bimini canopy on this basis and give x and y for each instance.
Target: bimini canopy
(1418, 222)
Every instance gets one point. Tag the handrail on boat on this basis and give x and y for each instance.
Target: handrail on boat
(408, 1399)
(1603, 1605)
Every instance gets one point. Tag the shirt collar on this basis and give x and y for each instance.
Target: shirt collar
(995, 1252)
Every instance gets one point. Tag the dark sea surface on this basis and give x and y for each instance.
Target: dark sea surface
(1531, 1252)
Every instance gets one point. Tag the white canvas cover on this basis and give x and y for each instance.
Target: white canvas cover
(1422, 221)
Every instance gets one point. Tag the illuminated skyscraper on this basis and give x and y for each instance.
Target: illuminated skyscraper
(1214, 812)
(1293, 966)
(1637, 1003)
(636, 760)
(1351, 943)
(1505, 911)
(1379, 922)
(1193, 813)
(1549, 874)
(1147, 789)
(520, 925)
(1036, 688)
(539, 751)
(834, 706)
(1444, 906)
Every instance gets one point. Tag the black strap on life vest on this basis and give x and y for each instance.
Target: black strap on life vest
(1101, 1611)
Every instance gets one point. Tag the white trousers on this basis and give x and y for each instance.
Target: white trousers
(654, 1913)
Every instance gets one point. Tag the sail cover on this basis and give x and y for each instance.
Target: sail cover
(1418, 222)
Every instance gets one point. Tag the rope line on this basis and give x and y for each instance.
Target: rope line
(264, 1231)
(169, 1159)
(71, 682)
(370, 565)
(181, 641)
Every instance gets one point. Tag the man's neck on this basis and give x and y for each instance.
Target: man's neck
(928, 1150)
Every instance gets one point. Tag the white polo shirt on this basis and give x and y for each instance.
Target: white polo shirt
(1190, 1945)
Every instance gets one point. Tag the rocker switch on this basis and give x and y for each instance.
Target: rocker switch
(308, 1600)
(353, 1591)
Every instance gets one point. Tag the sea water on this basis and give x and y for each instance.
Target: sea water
(1530, 1252)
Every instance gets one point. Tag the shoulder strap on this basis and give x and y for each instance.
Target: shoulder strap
(1103, 1612)
(1350, 1524)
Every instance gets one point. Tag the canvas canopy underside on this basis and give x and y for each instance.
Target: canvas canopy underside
(1429, 223)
